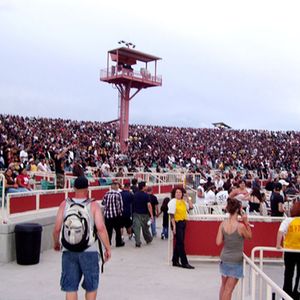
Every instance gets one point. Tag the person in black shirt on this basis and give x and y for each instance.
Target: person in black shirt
(141, 210)
(59, 161)
(277, 201)
(127, 198)
(154, 205)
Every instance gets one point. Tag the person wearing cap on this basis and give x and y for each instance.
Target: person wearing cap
(276, 199)
(284, 184)
(200, 192)
(86, 263)
(113, 210)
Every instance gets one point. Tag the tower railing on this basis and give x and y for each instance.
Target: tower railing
(128, 73)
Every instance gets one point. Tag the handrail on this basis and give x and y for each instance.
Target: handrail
(271, 285)
(2, 177)
(269, 249)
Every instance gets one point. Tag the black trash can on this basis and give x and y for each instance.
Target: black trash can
(28, 243)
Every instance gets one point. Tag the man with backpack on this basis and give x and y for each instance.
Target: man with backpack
(79, 223)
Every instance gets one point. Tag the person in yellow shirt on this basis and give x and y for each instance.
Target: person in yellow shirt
(32, 165)
(289, 232)
(178, 209)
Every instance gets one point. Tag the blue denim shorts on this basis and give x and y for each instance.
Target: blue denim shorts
(78, 264)
(234, 270)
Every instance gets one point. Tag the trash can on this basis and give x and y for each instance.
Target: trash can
(28, 243)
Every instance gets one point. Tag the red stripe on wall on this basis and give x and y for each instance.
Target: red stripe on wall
(51, 200)
(98, 194)
(21, 204)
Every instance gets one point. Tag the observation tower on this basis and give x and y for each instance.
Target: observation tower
(129, 71)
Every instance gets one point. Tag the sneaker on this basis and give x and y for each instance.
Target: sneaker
(162, 237)
(121, 245)
(138, 245)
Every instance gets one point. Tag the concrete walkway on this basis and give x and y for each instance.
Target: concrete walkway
(132, 273)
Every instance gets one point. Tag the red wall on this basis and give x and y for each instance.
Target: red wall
(51, 200)
(21, 204)
(200, 238)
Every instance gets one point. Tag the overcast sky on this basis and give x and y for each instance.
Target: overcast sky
(232, 61)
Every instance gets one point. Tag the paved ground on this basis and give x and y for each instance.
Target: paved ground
(133, 273)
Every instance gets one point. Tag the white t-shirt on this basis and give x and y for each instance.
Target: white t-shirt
(210, 198)
(172, 206)
(222, 197)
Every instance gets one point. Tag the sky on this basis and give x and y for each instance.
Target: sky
(232, 61)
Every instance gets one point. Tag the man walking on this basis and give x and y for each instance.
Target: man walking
(127, 198)
(141, 210)
(113, 210)
(154, 205)
(81, 263)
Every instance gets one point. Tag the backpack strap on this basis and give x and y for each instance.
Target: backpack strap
(99, 242)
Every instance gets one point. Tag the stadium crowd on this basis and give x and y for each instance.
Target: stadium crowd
(93, 144)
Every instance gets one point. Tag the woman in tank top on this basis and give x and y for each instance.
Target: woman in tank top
(232, 233)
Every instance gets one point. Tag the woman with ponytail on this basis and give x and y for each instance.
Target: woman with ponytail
(232, 234)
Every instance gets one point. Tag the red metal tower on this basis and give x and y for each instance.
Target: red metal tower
(120, 72)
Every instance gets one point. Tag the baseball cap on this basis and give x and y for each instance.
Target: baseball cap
(81, 183)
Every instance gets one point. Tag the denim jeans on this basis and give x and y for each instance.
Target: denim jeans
(153, 227)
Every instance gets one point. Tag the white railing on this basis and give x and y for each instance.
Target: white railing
(261, 260)
(267, 287)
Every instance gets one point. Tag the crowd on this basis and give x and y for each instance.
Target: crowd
(95, 143)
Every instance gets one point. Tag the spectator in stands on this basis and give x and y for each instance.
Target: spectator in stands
(32, 167)
(255, 201)
(200, 192)
(10, 184)
(241, 193)
(78, 169)
(232, 233)
(218, 181)
(221, 196)
(43, 166)
(142, 209)
(210, 196)
(276, 199)
(23, 180)
(178, 208)
(289, 230)
(59, 160)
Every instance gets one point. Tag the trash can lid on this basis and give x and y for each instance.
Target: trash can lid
(28, 227)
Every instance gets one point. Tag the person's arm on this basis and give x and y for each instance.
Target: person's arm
(173, 224)
(101, 230)
(281, 207)
(280, 235)
(150, 210)
(219, 238)
(58, 225)
(156, 210)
